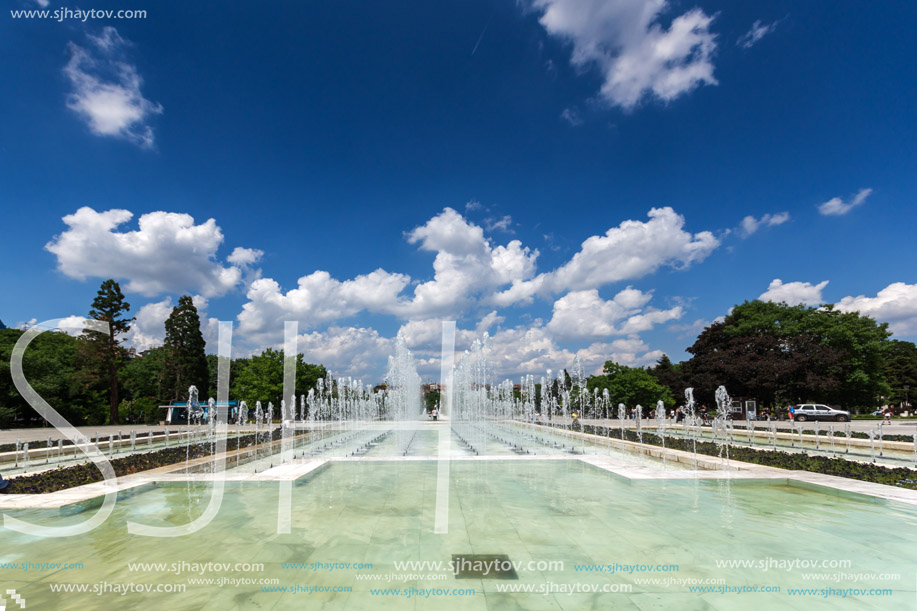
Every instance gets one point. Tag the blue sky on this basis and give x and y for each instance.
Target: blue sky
(326, 141)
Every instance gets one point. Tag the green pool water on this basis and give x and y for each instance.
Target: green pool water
(561, 511)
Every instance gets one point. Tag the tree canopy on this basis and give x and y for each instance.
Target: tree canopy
(261, 378)
(630, 386)
(901, 370)
(105, 349)
(670, 375)
(184, 343)
(51, 367)
(781, 353)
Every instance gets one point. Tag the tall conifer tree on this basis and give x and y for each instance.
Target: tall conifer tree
(187, 364)
(110, 306)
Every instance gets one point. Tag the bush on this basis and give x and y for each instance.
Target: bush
(7, 414)
(891, 476)
(78, 475)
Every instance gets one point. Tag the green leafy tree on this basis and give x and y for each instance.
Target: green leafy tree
(901, 370)
(630, 386)
(261, 379)
(49, 365)
(184, 342)
(104, 348)
(236, 366)
(143, 382)
(431, 399)
(669, 375)
(780, 353)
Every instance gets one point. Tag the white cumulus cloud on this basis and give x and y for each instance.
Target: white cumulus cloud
(794, 293)
(751, 224)
(149, 331)
(631, 250)
(350, 351)
(896, 304)
(168, 253)
(105, 90)
(837, 207)
(245, 256)
(471, 271)
(467, 267)
(628, 43)
(585, 315)
(532, 350)
(318, 299)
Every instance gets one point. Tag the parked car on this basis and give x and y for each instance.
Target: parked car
(815, 411)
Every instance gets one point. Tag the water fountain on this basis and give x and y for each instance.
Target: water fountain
(622, 415)
(195, 411)
(660, 426)
(915, 447)
(638, 416)
(404, 398)
(720, 424)
(690, 413)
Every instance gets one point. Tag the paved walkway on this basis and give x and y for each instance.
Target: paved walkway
(42, 434)
(897, 427)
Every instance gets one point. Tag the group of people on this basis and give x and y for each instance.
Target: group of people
(678, 414)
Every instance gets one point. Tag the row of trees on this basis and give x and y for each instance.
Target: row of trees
(781, 354)
(93, 379)
(775, 353)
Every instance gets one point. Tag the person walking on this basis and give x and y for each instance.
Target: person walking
(703, 414)
(888, 413)
(435, 414)
(792, 413)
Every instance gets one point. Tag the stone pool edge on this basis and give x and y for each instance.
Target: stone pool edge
(708, 468)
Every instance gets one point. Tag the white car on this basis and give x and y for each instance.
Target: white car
(816, 411)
